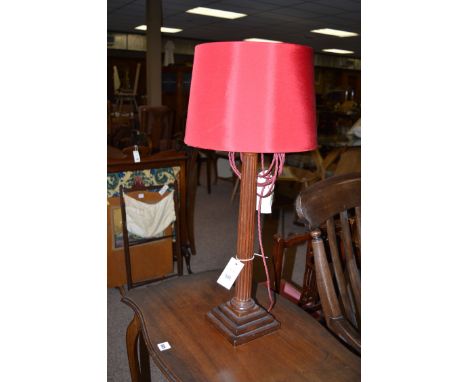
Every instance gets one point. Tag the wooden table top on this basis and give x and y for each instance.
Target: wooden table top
(174, 311)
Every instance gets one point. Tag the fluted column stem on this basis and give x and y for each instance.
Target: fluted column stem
(242, 299)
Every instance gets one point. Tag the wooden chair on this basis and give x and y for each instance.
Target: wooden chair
(306, 177)
(167, 234)
(302, 177)
(349, 161)
(332, 203)
(123, 95)
(294, 179)
(157, 122)
(209, 158)
(306, 297)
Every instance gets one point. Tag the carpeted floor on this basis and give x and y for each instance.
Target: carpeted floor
(215, 235)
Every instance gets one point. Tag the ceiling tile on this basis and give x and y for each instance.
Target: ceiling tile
(282, 3)
(318, 9)
(249, 5)
(284, 20)
(346, 5)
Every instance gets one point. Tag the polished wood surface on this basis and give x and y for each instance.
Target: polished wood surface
(174, 311)
(336, 202)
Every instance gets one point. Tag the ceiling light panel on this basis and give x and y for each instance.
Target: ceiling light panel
(163, 29)
(260, 40)
(215, 13)
(334, 32)
(338, 51)
(170, 30)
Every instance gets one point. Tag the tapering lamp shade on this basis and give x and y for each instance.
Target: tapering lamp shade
(252, 97)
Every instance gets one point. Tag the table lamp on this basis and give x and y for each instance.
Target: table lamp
(252, 98)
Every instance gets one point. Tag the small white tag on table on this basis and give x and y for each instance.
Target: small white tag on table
(141, 196)
(136, 156)
(266, 203)
(163, 190)
(230, 273)
(164, 346)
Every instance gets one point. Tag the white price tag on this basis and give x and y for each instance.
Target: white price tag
(266, 203)
(136, 156)
(141, 196)
(164, 346)
(230, 273)
(163, 190)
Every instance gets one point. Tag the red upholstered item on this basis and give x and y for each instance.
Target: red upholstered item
(288, 290)
(252, 97)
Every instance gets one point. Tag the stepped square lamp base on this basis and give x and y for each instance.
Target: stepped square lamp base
(243, 327)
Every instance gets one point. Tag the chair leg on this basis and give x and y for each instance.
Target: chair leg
(136, 104)
(120, 104)
(234, 191)
(208, 172)
(179, 254)
(281, 213)
(215, 167)
(187, 253)
(198, 171)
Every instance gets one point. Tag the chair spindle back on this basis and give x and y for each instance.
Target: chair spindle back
(332, 210)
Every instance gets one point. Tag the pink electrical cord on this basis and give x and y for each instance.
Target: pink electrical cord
(267, 179)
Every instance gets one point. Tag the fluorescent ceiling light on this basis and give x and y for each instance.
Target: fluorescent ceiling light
(334, 32)
(170, 30)
(215, 13)
(163, 29)
(260, 40)
(339, 51)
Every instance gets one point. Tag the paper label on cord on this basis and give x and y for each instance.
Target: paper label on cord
(266, 203)
(163, 190)
(230, 273)
(136, 156)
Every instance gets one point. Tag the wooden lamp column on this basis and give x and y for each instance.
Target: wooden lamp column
(241, 319)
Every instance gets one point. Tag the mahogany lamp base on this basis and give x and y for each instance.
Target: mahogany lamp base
(243, 327)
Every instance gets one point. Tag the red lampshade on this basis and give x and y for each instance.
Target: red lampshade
(252, 97)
